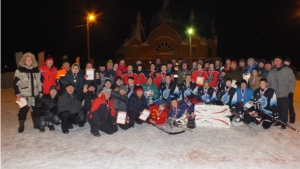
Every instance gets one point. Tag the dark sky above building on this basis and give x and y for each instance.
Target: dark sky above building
(257, 28)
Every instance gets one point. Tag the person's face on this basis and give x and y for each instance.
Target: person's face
(169, 66)
(107, 84)
(174, 103)
(129, 68)
(119, 82)
(116, 66)
(139, 68)
(242, 64)
(130, 82)
(161, 107)
(194, 64)
(138, 62)
(49, 63)
(228, 62)
(206, 85)
(287, 63)
(70, 89)
(157, 61)
(163, 68)
(66, 65)
(211, 66)
(188, 79)
(261, 64)
(102, 68)
(206, 65)
(243, 86)
(277, 62)
(91, 88)
(167, 79)
(107, 95)
(268, 67)
(152, 66)
(184, 66)
(89, 66)
(122, 92)
(263, 84)
(250, 63)
(199, 67)
(28, 61)
(228, 83)
(254, 72)
(53, 93)
(217, 63)
(75, 69)
(109, 65)
(233, 65)
(173, 61)
(149, 81)
(122, 62)
(139, 93)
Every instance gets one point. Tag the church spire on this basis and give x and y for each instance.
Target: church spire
(138, 30)
(213, 31)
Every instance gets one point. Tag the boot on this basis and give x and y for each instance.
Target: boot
(96, 134)
(36, 123)
(21, 126)
(42, 129)
(51, 127)
(292, 118)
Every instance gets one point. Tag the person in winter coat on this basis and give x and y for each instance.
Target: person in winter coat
(96, 80)
(234, 73)
(206, 94)
(117, 83)
(150, 90)
(122, 66)
(227, 95)
(187, 90)
(136, 104)
(159, 113)
(199, 75)
(27, 84)
(120, 104)
(60, 76)
(254, 79)
(47, 108)
(282, 79)
(102, 114)
(129, 74)
(182, 72)
(89, 95)
(181, 108)
(104, 75)
(48, 72)
(70, 108)
(167, 88)
(251, 65)
(75, 78)
(141, 74)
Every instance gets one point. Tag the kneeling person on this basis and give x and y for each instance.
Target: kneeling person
(181, 112)
(158, 113)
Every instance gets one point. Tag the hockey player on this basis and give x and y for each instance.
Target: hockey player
(131, 86)
(159, 113)
(181, 111)
(130, 74)
(206, 94)
(265, 100)
(227, 95)
(187, 90)
(213, 75)
(167, 88)
(199, 75)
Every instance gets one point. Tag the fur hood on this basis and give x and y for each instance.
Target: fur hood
(28, 54)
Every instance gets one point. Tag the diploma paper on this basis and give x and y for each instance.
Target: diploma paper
(199, 80)
(90, 74)
(121, 119)
(22, 102)
(144, 115)
(233, 84)
(246, 76)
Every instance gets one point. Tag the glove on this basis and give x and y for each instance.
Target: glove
(256, 105)
(290, 96)
(275, 116)
(115, 127)
(233, 110)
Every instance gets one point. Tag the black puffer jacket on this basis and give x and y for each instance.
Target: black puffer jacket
(120, 101)
(71, 103)
(136, 104)
(46, 105)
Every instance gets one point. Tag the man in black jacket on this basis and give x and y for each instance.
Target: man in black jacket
(70, 108)
(47, 108)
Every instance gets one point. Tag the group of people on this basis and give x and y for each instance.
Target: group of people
(168, 90)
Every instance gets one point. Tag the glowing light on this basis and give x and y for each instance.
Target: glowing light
(91, 17)
(190, 31)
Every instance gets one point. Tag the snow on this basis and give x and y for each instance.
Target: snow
(146, 146)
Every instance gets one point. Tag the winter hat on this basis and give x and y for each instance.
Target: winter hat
(163, 103)
(107, 80)
(106, 89)
(233, 62)
(53, 88)
(49, 58)
(242, 60)
(101, 64)
(262, 60)
(70, 84)
(268, 62)
(110, 62)
(228, 79)
(251, 60)
(244, 81)
(92, 84)
(123, 87)
(76, 64)
(277, 57)
(138, 88)
(287, 59)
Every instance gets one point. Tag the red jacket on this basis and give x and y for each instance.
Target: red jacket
(197, 73)
(155, 116)
(101, 110)
(48, 77)
(134, 75)
(122, 68)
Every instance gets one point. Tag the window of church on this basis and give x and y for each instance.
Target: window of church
(194, 51)
(163, 47)
(134, 51)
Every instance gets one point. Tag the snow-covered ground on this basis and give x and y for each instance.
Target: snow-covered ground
(146, 146)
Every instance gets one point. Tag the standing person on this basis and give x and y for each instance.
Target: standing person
(117, 83)
(102, 114)
(60, 76)
(150, 90)
(213, 75)
(27, 84)
(282, 80)
(287, 62)
(226, 67)
(160, 76)
(131, 87)
(104, 75)
(242, 65)
(75, 78)
(141, 74)
(96, 79)
(251, 65)
(49, 73)
(152, 70)
(234, 73)
(110, 68)
(120, 100)
(157, 64)
(47, 108)
(159, 113)
(199, 75)
(182, 72)
(268, 67)
(194, 66)
(122, 66)
(170, 68)
(70, 109)
(135, 67)
(136, 104)
(254, 79)
(130, 73)
(261, 66)
(89, 95)
(206, 94)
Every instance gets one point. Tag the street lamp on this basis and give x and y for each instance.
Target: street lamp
(90, 18)
(190, 32)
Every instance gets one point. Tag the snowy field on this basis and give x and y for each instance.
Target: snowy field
(145, 146)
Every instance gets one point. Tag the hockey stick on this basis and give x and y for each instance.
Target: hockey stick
(277, 120)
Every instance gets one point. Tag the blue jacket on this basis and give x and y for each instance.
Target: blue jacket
(182, 108)
(247, 96)
(136, 104)
(249, 69)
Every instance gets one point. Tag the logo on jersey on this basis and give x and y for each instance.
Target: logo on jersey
(263, 102)
(166, 93)
(225, 98)
(187, 93)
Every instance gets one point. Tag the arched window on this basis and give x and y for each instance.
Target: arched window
(164, 48)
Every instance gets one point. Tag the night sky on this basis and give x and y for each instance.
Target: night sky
(256, 28)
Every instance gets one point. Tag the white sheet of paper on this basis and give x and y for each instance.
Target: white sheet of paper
(90, 74)
(246, 76)
(121, 119)
(144, 115)
(22, 102)
(233, 84)
(200, 80)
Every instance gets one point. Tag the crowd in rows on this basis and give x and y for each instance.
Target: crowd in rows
(73, 96)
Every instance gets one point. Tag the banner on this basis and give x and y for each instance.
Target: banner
(41, 58)
(18, 56)
(78, 60)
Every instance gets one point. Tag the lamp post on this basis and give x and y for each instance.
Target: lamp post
(190, 31)
(90, 18)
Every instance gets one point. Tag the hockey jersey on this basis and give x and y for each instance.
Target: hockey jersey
(206, 95)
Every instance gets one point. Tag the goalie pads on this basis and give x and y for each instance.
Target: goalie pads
(211, 121)
(212, 110)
